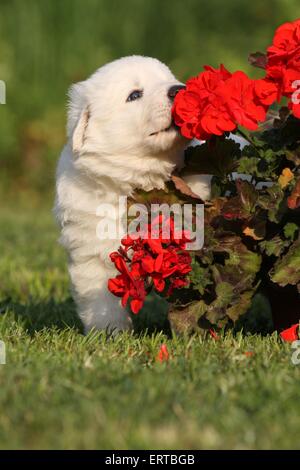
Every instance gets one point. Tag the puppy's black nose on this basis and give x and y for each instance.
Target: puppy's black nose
(172, 92)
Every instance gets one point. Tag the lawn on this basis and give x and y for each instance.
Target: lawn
(60, 389)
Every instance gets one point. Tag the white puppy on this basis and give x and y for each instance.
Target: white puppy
(120, 137)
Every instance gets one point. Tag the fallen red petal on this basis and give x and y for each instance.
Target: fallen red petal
(249, 353)
(163, 354)
(290, 334)
(213, 334)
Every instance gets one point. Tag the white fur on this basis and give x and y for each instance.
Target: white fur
(109, 153)
(200, 184)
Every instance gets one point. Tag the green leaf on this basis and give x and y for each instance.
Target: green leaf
(293, 200)
(234, 209)
(248, 165)
(224, 293)
(272, 200)
(293, 156)
(248, 195)
(199, 277)
(250, 262)
(216, 157)
(185, 320)
(241, 306)
(258, 59)
(290, 230)
(274, 247)
(287, 269)
(290, 133)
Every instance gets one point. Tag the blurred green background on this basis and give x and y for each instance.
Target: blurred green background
(45, 45)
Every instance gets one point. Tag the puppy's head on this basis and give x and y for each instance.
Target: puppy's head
(124, 108)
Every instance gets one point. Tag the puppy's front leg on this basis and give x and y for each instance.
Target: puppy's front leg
(96, 306)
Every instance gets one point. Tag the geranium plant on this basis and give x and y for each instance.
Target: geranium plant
(252, 225)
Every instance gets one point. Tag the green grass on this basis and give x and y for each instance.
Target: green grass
(60, 389)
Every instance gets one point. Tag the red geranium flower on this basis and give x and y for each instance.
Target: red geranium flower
(283, 65)
(128, 284)
(217, 101)
(177, 283)
(286, 41)
(144, 262)
(200, 109)
(243, 101)
(266, 91)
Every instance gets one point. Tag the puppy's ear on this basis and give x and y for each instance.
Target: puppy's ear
(79, 131)
(78, 115)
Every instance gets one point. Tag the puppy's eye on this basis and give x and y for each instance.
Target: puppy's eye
(135, 95)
